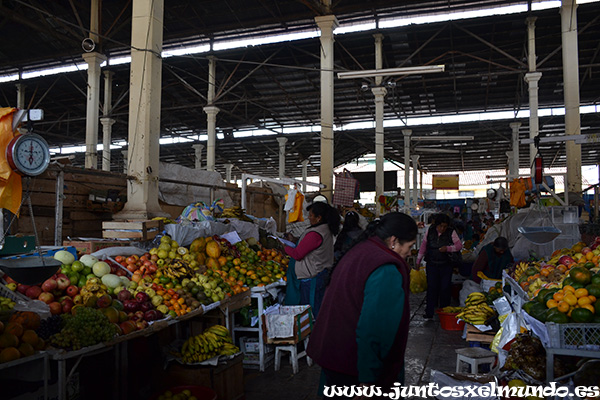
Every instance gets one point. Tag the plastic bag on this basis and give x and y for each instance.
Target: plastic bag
(418, 281)
(468, 287)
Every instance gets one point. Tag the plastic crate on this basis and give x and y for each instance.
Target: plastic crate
(574, 336)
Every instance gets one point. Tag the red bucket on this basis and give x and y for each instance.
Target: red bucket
(449, 322)
(201, 392)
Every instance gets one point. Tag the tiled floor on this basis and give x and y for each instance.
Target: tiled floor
(429, 347)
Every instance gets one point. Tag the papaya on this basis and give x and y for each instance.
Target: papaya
(531, 271)
(594, 290)
(596, 279)
(538, 311)
(540, 295)
(582, 315)
(213, 250)
(549, 295)
(567, 281)
(596, 319)
(527, 306)
(580, 275)
(558, 318)
(589, 265)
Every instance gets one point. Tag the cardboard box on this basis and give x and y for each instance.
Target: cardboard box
(287, 324)
(249, 345)
(138, 230)
(225, 379)
(92, 246)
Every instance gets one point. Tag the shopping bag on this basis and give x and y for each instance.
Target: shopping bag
(418, 280)
(346, 188)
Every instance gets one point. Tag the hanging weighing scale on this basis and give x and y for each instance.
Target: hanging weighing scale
(28, 155)
(545, 232)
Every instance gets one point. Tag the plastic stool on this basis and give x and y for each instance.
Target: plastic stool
(294, 355)
(474, 357)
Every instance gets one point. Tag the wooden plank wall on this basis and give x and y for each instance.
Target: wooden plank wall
(78, 219)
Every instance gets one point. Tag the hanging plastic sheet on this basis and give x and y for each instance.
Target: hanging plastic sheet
(294, 205)
(10, 181)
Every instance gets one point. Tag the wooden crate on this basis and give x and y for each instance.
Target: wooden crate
(92, 246)
(139, 230)
(227, 380)
(475, 335)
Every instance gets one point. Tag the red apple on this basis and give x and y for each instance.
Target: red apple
(104, 301)
(128, 327)
(72, 290)
(23, 289)
(141, 324)
(124, 295)
(33, 292)
(142, 297)
(67, 304)
(585, 250)
(49, 285)
(120, 272)
(55, 307)
(8, 279)
(46, 297)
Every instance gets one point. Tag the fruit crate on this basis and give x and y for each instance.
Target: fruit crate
(574, 336)
(137, 230)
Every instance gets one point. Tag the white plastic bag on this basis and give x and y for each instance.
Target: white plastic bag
(468, 287)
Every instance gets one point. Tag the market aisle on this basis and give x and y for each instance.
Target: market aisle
(429, 346)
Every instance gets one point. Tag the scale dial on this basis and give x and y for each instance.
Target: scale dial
(28, 154)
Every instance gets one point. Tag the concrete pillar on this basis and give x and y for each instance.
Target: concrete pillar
(415, 199)
(228, 168)
(327, 24)
(304, 174)
(514, 166)
(282, 141)
(532, 79)
(92, 111)
(95, 20)
(211, 128)
(407, 133)
(21, 95)
(570, 56)
(107, 124)
(198, 153)
(125, 161)
(510, 165)
(379, 93)
(212, 78)
(144, 99)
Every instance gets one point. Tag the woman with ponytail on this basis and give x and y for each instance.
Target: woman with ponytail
(313, 257)
(361, 332)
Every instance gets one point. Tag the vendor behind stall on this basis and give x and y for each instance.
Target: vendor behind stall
(492, 259)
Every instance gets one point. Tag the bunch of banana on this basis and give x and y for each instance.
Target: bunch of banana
(520, 270)
(177, 269)
(164, 220)
(476, 311)
(235, 212)
(451, 310)
(213, 342)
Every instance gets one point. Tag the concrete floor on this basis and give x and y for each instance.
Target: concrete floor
(429, 347)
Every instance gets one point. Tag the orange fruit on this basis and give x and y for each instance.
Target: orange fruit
(581, 292)
(558, 296)
(563, 306)
(589, 256)
(570, 299)
(29, 336)
(592, 298)
(582, 301)
(7, 339)
(9, 354)
(15, 328)
(551, 303)
(568, 288)
(26, 349)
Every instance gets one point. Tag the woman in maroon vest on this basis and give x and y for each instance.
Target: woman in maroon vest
(360, 334)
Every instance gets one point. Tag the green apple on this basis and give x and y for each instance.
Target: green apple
(74, 278)
(77, 266)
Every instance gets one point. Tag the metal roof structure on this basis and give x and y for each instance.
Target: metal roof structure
(276, 86)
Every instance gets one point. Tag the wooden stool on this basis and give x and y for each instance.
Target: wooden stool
(474, 357)
(294, 355)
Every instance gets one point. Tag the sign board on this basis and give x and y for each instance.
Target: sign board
(367, 181)
(445, 182)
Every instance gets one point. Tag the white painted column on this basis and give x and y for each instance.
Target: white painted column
(570, 56)
(106, 121)
(92, 111)
(415, 199)
(532, 78)
(379, 93)
(211, 128)
(125, 161)
(228, 168)
(107, 124)
(21, 95)
(198, 155)
(510, 165)
(282, 141)
(304, 174)
(407, 133)
(514, 166)
(327, 24)
(144, 105)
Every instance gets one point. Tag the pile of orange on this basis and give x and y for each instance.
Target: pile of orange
(568, 298)
(17, 342)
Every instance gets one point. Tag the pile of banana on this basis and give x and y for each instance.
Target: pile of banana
(164, 220)
(476, 311)
(214, 341)
(451, 310)
(520, 269)
(177, 269)
(235, 212)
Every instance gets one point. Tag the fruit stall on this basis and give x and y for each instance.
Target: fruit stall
(181, 300)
